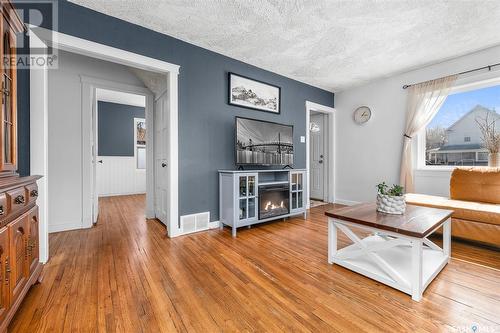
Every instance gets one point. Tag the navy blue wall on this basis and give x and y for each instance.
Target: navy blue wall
(206, 121)
(116, 128)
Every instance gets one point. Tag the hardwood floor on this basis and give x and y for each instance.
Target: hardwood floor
(125, 275)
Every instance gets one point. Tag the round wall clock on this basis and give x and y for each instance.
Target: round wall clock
(362, 115)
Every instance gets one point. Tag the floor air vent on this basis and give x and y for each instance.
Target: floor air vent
(195, 222)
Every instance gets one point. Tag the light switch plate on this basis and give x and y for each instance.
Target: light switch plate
(302, 139)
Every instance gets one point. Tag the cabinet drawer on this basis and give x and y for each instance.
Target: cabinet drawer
(3, 206)
(16, 199)
(31, 192)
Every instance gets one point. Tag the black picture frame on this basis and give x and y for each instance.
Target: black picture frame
(260, 164)
(246, 104)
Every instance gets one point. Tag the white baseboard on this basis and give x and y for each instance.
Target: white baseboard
(191, 232)
(346, 202)
(65, 227)
(119, 194)
(211, 225)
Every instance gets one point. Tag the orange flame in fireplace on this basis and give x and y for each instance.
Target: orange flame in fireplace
(270, 205)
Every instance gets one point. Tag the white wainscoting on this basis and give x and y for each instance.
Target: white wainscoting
(117, 175)
(433, 181)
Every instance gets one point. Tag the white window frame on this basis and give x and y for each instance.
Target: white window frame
(486, 159)
(138, 120)
(468, 83)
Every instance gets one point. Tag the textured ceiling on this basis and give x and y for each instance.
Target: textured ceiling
(328, 44)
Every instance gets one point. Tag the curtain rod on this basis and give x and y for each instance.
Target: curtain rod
(489, 67)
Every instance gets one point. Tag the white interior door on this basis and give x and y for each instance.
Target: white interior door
(160, 156)
(317, 156)
(95, 196)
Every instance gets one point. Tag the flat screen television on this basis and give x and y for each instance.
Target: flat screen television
(261, 142)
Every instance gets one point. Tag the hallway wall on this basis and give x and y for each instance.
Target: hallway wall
(65, 135)
(118, 173)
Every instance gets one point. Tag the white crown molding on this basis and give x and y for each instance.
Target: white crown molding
(78, 45)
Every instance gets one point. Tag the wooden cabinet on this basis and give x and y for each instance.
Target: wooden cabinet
(19, 224)
(33, 247)
(20, 266)
(4, 273)
(19, 270)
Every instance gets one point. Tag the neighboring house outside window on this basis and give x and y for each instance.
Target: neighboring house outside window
(453, 138)
(482, 156)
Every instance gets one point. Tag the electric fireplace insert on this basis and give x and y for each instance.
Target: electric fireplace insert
(274, 200)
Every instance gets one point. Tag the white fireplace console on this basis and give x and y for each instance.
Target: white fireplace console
(248, 197)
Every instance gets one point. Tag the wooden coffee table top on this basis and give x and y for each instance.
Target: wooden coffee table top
(417, 221)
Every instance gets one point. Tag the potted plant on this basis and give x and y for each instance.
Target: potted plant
(491, 139)
(390, 200)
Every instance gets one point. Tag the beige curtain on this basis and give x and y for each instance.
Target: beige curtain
(424, 101)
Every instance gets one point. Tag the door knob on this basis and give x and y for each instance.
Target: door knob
(321, 156)
(100, 161)
(163, 164)
(320, 161)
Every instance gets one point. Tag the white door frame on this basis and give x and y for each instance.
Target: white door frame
(39, 146)
(39, 132)
(323, 134)
(330, 167)
(89, 127)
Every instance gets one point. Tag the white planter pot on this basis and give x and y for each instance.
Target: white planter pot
(390, 204)
(494, 160)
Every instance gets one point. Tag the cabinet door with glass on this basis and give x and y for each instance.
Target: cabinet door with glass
(297, 198)
(8, 135)
(247, 197)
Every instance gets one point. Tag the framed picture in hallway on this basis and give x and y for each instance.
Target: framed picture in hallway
(253, 94)
(140, 132)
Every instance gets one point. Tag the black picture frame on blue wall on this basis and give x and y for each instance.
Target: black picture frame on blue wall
(261, 155)
(253, 94)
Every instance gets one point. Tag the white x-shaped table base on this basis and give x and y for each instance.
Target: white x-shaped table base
(403, 262)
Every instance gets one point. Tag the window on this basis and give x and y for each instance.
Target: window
(140, 143)
(482, 156)
(453, 137)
